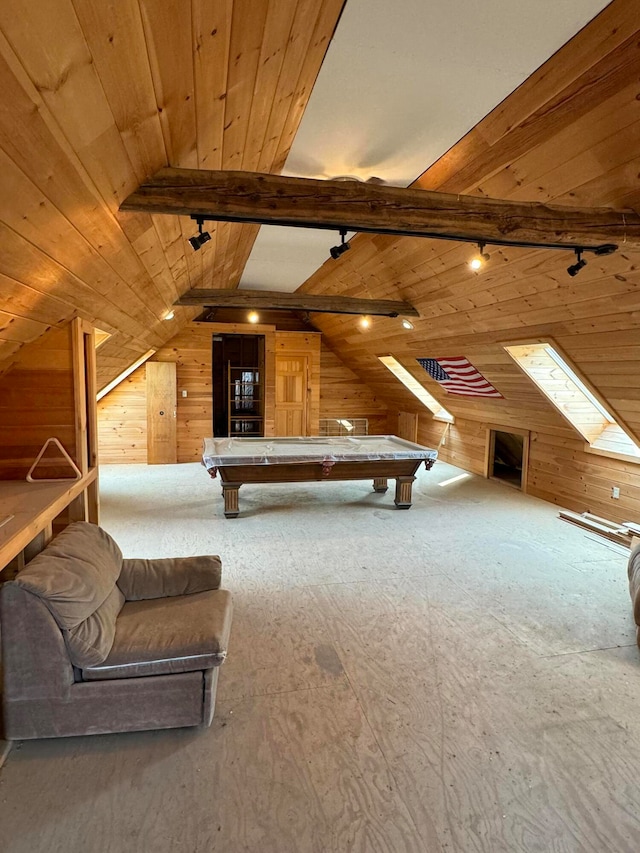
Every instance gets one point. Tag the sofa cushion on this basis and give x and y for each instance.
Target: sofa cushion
(74, 574)
(168, 635)
(90, 642)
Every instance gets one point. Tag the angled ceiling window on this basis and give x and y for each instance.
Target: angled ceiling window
(559, 382)
(410, 382)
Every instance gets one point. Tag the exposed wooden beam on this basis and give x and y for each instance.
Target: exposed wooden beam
(277, 200)
(265, 300)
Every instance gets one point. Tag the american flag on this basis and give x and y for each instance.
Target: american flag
(458, 376)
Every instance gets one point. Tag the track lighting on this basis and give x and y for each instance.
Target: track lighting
(200, 238)
(574, 269)
(336, 251)
(479, 260)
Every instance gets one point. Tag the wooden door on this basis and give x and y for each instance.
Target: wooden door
(407, 426)
(292, 395)
(161, 412)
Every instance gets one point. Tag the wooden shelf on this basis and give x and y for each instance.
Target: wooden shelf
(33, 506)
(245, 389)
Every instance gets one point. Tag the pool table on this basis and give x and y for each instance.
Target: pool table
(314, 459)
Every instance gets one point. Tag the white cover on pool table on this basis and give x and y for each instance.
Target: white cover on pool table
(218, 452)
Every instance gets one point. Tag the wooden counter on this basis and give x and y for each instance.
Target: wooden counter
(33, 506)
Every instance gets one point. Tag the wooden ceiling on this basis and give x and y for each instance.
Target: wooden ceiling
(95, 98)
(98, 96)
(570, 135)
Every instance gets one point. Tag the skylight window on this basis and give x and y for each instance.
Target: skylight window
(412, 384)
(560, 383)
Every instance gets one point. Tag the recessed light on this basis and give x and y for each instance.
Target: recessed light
(407, 324)
(253, 317)
(169, 315)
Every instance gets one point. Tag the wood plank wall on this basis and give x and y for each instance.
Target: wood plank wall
(343, 395)
(122, 413)
(122, 421)
(191, 351)
(122, 424)
(560, 469)
(37, 403)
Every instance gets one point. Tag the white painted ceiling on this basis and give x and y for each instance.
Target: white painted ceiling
(401, 83)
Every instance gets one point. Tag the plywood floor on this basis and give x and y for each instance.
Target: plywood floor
(459, 677)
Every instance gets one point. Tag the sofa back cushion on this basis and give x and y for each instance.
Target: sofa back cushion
(75, 576)
(75, 573)
(90, 642)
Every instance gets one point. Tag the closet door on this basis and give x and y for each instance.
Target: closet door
(161, 413)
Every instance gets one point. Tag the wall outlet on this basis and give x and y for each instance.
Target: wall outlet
(615, 492)
(184, 393)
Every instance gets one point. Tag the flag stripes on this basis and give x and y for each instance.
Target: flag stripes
(458, 376)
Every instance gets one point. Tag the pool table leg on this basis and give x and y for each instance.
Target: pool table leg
(380, 484)
(403, 492)
(230, 493)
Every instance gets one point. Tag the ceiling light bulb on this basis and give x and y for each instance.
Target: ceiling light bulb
(365, 322)
(253, 317)
(407, 324)
(479, 260)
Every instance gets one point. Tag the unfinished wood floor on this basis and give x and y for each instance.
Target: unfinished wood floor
(459, 677)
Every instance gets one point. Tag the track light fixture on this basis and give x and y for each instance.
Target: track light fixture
(336, 251)
(479, 260)
(200, 238)
(574, 269)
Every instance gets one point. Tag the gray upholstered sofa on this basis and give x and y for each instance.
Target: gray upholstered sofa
(633, 571)
(92, 643)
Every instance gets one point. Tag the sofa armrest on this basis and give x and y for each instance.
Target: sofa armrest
(633, 571)
(140, 579)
